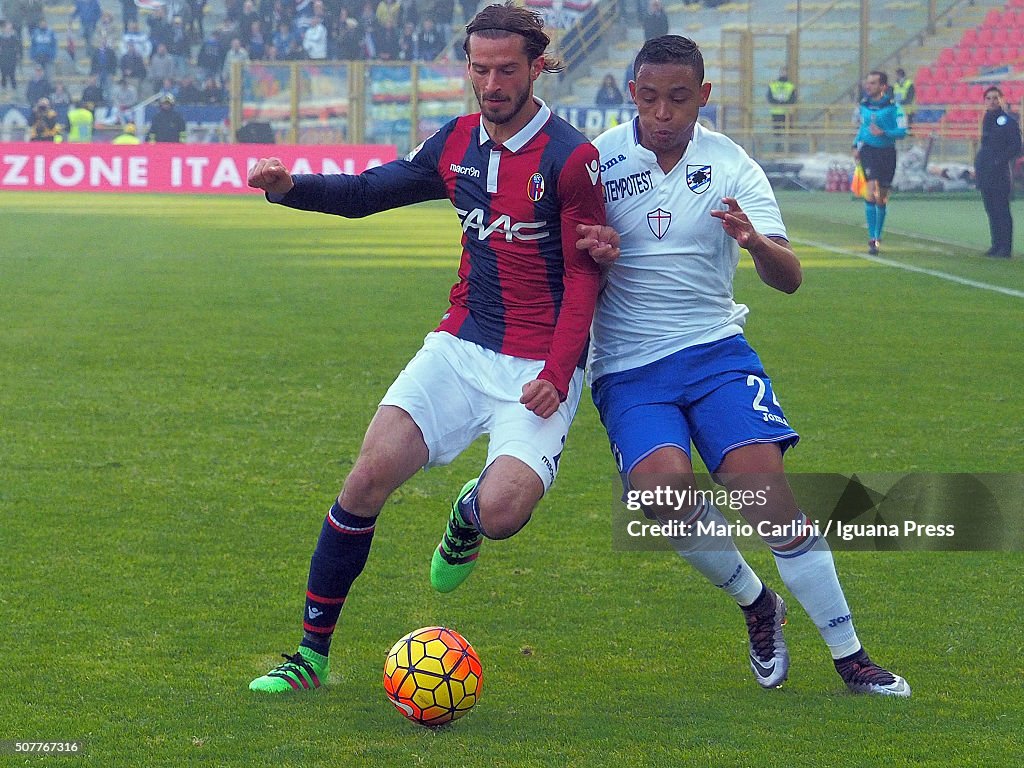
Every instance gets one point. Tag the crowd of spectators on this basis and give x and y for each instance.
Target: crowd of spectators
(172, 48)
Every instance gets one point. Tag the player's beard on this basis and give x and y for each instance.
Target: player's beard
(500, 118)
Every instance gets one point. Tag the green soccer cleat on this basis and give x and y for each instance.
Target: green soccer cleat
(303, 671)
(455, 557)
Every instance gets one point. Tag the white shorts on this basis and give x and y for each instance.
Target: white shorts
(456, 390)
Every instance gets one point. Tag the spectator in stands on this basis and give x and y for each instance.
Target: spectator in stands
(134, 37)
(248, 16)
(162, 67)
(432, 40)
(123, 96)
(127, 135)
(211, 93)
(608, 95)
(347, 40)
(236, 55)
(257, 46)
(168, 87)
(781, 96)
(188, 93)
(88, 13)
(39, 87)
(385, 39)
(314, 39)
(993, 169)
(129, 13)
(197, 10)
(159, 28)
(133, 67)
(60, 99)
(210, 58)
(92, 94)
(80, 121)
(11, 52)
(105, 28)
(655, 21)
(45, 126)
(179, 44)
(408, 43)
(283, 36)
(104, 63)
(168, 126)
(43, 46)
(24, 14)
(389, 10)
(904, 94)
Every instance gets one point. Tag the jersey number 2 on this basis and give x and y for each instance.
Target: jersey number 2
(758, 404)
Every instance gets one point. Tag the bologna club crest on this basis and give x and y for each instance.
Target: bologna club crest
(698, 178)
(535, 190)
(659, 220)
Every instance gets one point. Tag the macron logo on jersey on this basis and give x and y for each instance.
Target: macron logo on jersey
(520, 230)
(464, 170)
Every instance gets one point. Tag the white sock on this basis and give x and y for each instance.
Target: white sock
(807, 569)
(717, 558)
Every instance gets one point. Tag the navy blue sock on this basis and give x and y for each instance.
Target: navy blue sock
(339, 557)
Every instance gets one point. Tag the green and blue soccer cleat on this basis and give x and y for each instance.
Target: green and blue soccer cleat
(302, 671)
(455, 557)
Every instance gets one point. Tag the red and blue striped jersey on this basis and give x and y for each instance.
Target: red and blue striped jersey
(524, 289)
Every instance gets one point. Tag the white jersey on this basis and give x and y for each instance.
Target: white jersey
(672, 286)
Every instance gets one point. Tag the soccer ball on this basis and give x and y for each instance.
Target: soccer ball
(433, 676)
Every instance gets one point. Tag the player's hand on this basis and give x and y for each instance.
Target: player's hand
(270, 175)
(876, 130)
(735, 223)
(541, 397)
(600, 241)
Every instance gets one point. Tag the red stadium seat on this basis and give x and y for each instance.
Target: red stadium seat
(970, 37)
(926, 93)
(946, 56)
(984, 35)
(993, 18)
(953, 73)
(962, 56)
(923, 75)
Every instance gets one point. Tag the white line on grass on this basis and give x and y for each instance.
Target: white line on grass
(920, 270)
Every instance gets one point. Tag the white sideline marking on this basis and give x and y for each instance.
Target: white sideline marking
(920, 270)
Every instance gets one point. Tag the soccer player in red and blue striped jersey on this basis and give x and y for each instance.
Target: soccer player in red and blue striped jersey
(506, 358)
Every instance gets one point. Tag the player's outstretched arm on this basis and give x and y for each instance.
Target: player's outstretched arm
(773, 257)
(270, 175)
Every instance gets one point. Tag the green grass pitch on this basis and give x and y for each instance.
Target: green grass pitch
(184, 382)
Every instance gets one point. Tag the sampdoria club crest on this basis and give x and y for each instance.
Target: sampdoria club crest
(698, 178)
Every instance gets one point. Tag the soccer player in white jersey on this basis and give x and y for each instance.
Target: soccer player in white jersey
(669, 364)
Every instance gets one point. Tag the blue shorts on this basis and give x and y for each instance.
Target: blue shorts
(716, 395)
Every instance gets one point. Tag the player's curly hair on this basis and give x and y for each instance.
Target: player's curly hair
(671, 49)
(501, 20)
